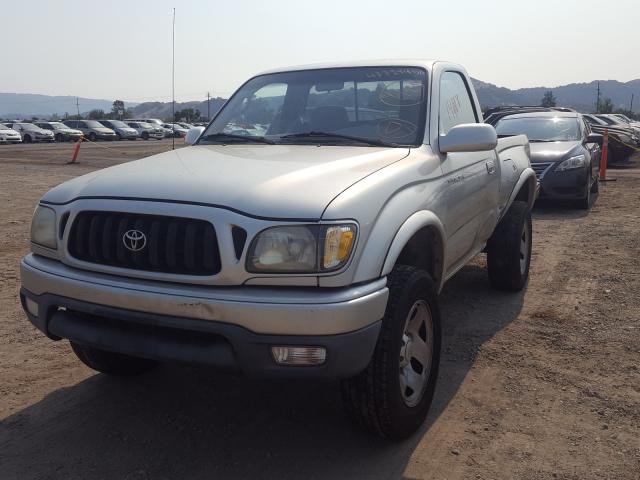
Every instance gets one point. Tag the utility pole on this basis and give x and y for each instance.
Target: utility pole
(209, 110)
(78, 106)
(598, 100)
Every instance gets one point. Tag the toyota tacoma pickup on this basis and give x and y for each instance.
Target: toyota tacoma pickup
(305, 232)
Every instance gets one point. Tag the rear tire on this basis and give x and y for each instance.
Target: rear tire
(112, 363)
(118, 137)
(59, 137)
(509, 249)
(407, 354)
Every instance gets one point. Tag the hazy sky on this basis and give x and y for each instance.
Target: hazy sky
(122, 49)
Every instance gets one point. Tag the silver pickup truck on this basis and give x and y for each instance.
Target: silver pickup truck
(305, 233)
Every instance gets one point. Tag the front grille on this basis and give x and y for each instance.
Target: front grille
(171, 245)
(541, 167)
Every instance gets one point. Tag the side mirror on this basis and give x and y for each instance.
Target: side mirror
(193, 134)
(469, 137)
(595, 138)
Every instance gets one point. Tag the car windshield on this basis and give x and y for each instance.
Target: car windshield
(541, 129)
(57, 125)
(118, 124)
(594, 120)
(29, 126)
(145, 125)
(359, 106)
(93, 124)
(4, 127)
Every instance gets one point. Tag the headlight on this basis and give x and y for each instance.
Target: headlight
(571, 163)
(301, 249)
(43, 227)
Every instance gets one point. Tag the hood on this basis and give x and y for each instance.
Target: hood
(69, 130)
(102, 129)
(272, 181)
(552, 151)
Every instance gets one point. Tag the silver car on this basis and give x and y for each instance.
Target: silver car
(123, 131)
(61, 132)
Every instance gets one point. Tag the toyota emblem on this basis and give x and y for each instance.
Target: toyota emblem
(134, 240)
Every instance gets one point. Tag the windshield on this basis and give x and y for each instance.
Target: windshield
(29, 126)
(377, 104)
(118, 124)
(613, 120)
(594, 120)
(4, 127)
(93, 124)
(541, 129)
(57, 125)
(144, 125)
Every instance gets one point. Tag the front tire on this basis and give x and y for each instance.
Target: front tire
(585, 202)
(111, 363)
(392, 396)
(509, 249)
(145, 136)
(92, 137)
(118, 137)
(27, 139)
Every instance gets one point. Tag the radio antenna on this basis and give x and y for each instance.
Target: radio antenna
(173, 81)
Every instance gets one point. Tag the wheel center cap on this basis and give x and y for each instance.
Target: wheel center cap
(405, 351)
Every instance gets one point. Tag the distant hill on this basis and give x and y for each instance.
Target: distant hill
(581, 96)
(163, 109)
(26, 105)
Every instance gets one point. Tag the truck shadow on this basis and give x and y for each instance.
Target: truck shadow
(184, 422)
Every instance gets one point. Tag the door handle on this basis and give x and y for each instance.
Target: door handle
(491, 167)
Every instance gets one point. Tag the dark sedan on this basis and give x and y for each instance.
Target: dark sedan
(565, 154)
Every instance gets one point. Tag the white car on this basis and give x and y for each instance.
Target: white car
(180, 131)
(147, 130)
(152, 121)
(32, 133)
(9, 135)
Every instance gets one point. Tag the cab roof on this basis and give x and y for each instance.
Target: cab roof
(401, 62)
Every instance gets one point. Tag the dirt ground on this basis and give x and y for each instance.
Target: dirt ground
(539, 385)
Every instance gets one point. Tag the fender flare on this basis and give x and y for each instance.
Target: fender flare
(413, 224)
(527, 176)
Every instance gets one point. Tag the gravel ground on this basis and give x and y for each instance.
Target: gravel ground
(544, 384)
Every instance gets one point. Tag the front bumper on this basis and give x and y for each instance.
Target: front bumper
(105, 136)
(567, 185)
(226, 327)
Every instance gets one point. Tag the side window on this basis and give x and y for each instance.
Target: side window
(456, 106)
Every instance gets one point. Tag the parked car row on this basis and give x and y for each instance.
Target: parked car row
(93, 130)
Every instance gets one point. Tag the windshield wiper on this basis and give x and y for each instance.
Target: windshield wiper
(233, 138)
(314, 135)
